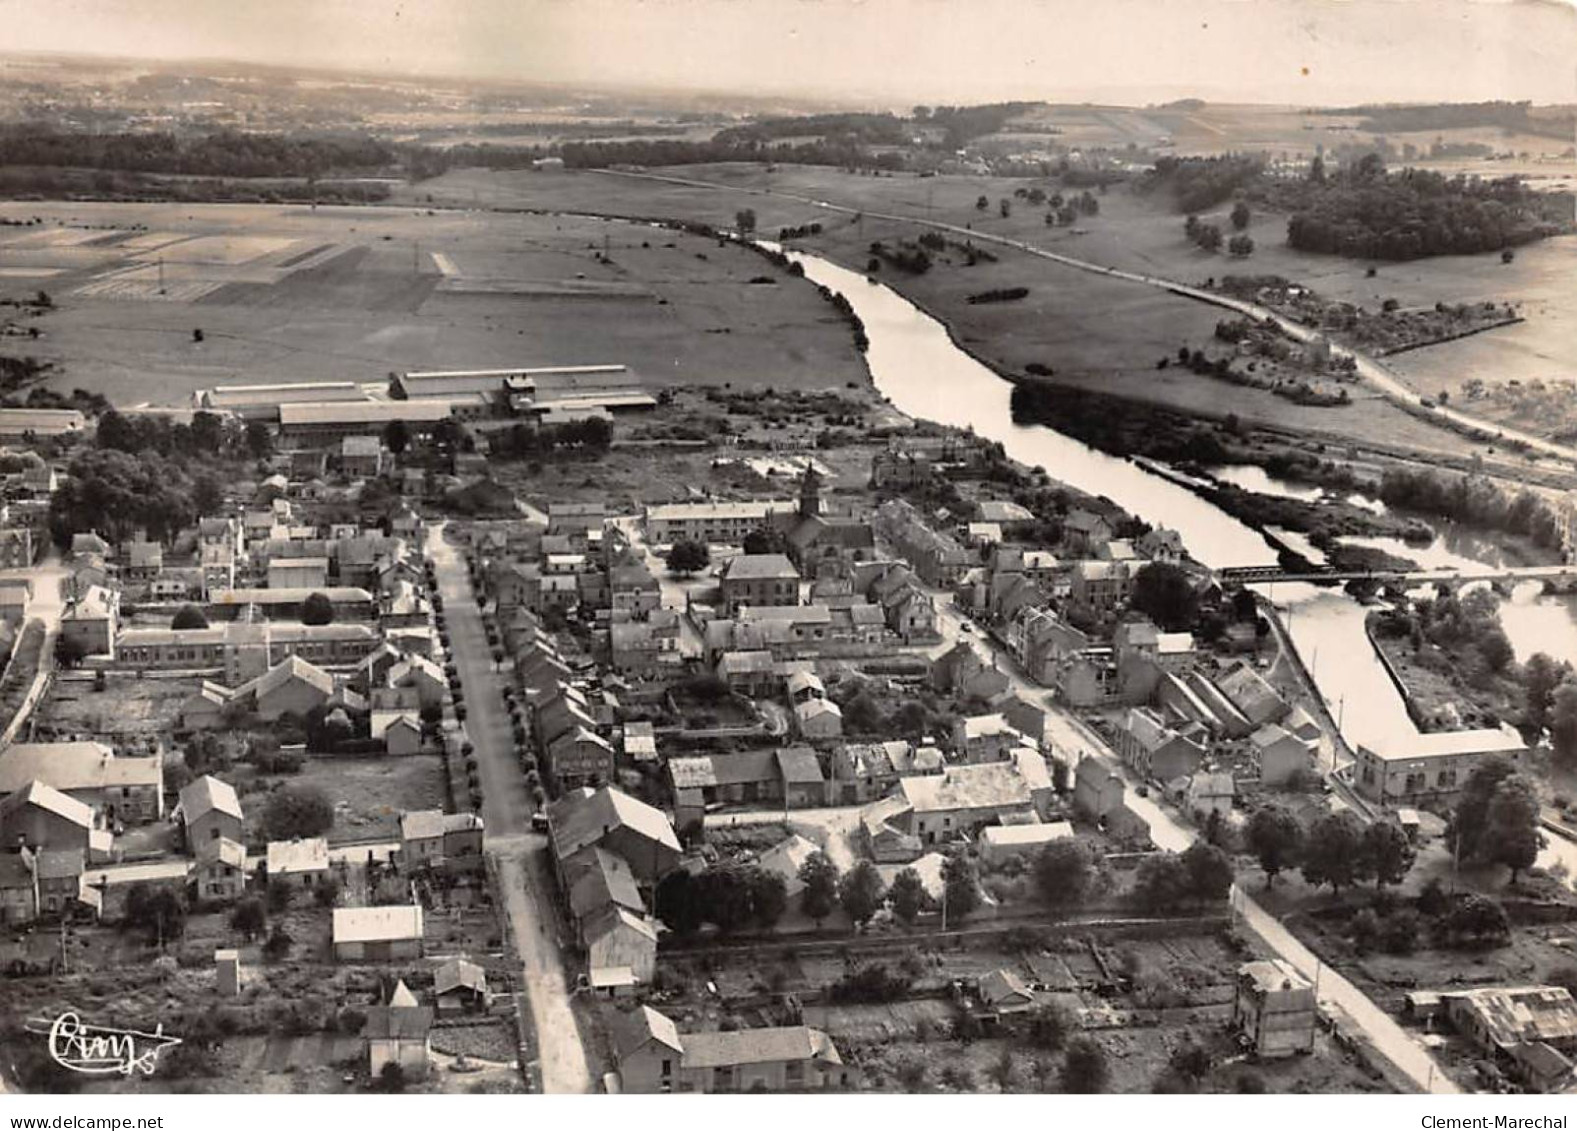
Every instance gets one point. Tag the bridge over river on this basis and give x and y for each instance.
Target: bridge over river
(1552, 576)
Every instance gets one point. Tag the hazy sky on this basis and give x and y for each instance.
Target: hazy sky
(895, 51)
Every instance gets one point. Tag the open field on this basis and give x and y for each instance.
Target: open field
(1097, 333)
(126, 709)
(369, 794)
(294, 293)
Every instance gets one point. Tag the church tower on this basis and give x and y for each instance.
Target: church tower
(810, 493)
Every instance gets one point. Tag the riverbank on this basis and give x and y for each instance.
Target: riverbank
(1451, 662)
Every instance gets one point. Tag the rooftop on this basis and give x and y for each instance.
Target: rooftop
(74, 765)
(376, 924)
(756, 567)
(987, 786)
(293, 856)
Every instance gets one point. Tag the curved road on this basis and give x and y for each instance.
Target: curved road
(1069, 734)
(1367, 368)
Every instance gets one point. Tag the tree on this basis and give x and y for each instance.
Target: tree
(687, 556)
(1563, 720)
(259, 440)
(725, 897)
(298, 811)
(960, 888)
(157, 910)
(391, 1077)
(1005, 207)
(820, 877)
(1209, 237)
(1084, 1067)
(1387, 852)
(396, 436)
(1065, 872)
(745, 221)
(1161, 882)
(764, 540)
(1164, 593)
(189, 616)
(908, 896)
(1540, 677)
(280, 893)
(278, 944)
(1275, 837)
(326, 894)
(1494, 647)
(1512, 835)
(1244, 605)
(677, 903)
(1209, 871)
(1241, 215)
(1478, 920)
(1332, 853)
(1470, 819)
(1241, 246)
(768, 897)
(207, 494)
(1048, 1027)
(860, 892)
(317, 609)
(69, 651)
(981, 203)
(249, 917)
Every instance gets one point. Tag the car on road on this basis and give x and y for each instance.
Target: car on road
(539, 822)
(965, 626)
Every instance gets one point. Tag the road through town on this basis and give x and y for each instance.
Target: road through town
(518, 854)
(1074, 740)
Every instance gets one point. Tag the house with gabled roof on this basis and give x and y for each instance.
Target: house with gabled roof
(460, 986)
(611, 819)
(128, 790)
(398, 1032)
(42, 817)
(378, 934)
(300, 862)
(291, 687)
(210, 810)
(221, 870)
(654, 1057)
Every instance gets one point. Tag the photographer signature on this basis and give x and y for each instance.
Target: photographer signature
(101, 1050)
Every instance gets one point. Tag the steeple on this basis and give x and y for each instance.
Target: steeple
(810, 492)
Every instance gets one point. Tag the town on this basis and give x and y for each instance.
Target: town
(765, 789)
(849, 549)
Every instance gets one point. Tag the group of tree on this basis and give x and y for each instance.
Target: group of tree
(118, 494)
(1472, 500)
(589, 437)
(1362, 211)
(1198, 183)
(297, 811)
(1164, 881)
(1462, 626)
(1166, 594)
(1497, 819)
(731, 898)
(220, 153)
(1204, 235)
(906, 256)
(1337, 849)
(688, 556)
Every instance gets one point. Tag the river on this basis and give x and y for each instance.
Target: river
(918, 368)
